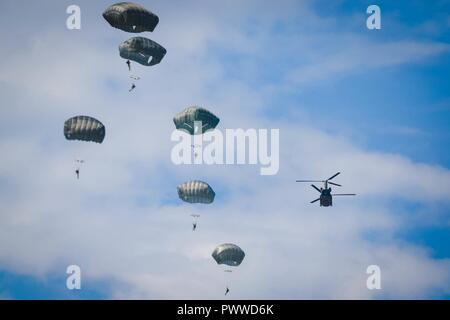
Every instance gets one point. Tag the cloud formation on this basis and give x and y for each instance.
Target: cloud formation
(122, 221)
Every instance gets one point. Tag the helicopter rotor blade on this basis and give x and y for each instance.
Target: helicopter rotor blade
(334, 184)
(344, 194)
(315, 200)
(316, 188)
(309, 180)
(334, 176)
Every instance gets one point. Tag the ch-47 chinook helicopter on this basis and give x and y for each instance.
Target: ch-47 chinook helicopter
(326, 197)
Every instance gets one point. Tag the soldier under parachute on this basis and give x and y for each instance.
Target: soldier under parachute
(83, 128)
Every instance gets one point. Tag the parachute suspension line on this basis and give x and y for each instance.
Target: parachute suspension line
(79, 162)
(230, 255)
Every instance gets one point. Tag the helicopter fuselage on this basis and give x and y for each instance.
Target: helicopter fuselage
(326, 199)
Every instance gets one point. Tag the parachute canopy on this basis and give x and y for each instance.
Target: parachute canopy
(130, 17)
(142, 50)
(228, 254)
(185, 120)
(84, 128)
(196, 192)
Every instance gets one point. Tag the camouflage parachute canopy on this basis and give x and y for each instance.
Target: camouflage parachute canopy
(130, 17)
(228, 254)
(84, 128)
(196, 192)
(142, 50)
(185, 120)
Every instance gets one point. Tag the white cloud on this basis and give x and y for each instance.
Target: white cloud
(122, 221)
(363, 56)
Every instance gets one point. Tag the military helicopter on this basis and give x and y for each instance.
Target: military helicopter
(79, 164)
(326, 197)
(194, 224)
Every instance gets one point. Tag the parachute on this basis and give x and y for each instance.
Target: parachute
(196, 192)
(186, 119)
(130, 17)
(228, 254)
(84, 128)
(142, 50)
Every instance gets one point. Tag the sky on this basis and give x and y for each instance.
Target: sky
(372, 104)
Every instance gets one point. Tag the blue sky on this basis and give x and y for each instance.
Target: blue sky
(372, 104)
